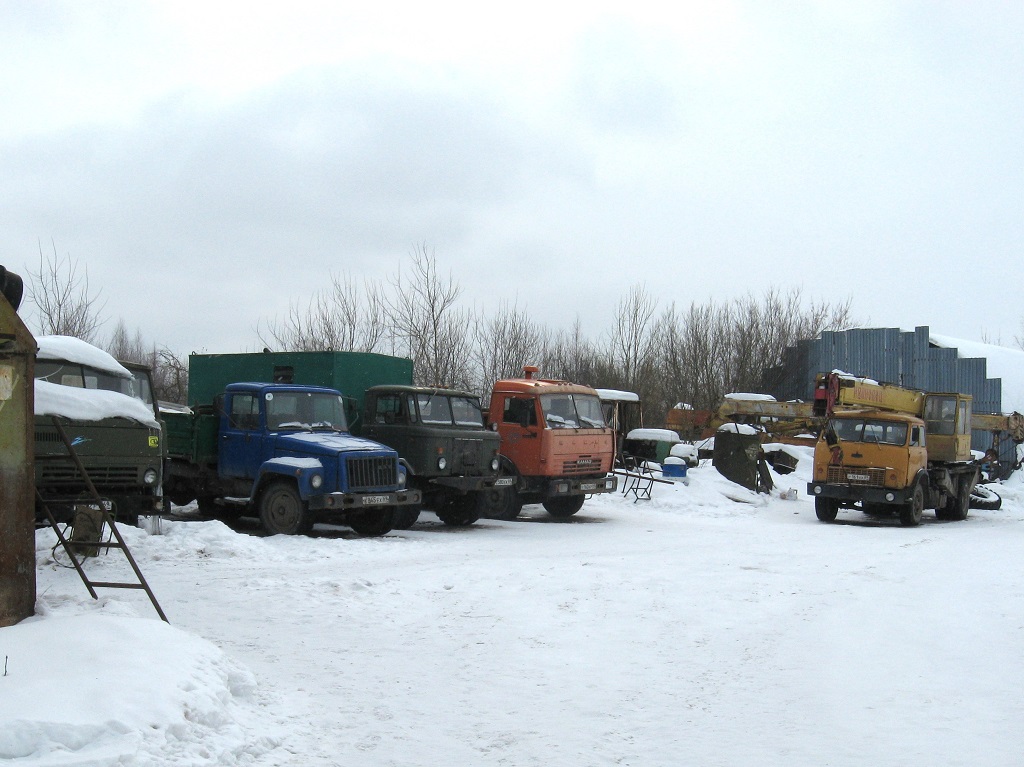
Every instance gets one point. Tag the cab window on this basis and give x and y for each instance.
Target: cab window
(245, 412)
(390, 408)
(519, 410)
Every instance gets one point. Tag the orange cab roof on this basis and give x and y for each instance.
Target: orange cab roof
(531, 385)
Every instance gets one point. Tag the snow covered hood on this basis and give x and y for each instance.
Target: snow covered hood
(90, 404)
(326, 442)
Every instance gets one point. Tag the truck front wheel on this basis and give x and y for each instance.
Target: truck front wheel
(499, 503)
(565, 506)
(283, 512)
(910, 515)
(826, 509)
(372, 522)
(405, 517)
(460, 511)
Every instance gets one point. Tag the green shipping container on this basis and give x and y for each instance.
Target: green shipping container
(351, 373)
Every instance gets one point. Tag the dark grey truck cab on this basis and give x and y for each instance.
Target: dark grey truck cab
(449, 454)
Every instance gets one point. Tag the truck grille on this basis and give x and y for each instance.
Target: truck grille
(582, 466)
(64, 475)
(850, 475)
(467, 452)
(369, 473)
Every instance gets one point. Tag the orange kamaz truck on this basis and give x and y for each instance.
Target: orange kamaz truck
(556, 448)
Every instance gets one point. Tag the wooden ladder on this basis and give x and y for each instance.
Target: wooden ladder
(117, 543)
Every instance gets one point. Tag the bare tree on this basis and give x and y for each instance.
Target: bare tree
(128, 348)
(427, 324)
(632, 342)
(713, 350)
(64, 304)
(344, 318)
(503, 344)
(170, 376)
(571, 356)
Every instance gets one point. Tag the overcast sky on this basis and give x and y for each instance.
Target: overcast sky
(211, 163)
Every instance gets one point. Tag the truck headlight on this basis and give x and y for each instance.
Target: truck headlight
(315, 481)
(150, 476)
(562, 487)
(442, 462)
(401, 476)
(494, 464)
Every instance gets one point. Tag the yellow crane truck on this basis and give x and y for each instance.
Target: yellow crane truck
(886, 449)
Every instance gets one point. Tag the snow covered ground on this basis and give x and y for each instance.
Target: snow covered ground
(707, 626)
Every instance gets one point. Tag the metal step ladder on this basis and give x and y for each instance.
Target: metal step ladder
(117, 543)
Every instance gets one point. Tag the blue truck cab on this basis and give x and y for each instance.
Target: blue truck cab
(284, 452)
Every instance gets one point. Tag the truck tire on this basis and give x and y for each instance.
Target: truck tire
(405, 517)
(826, 509)
(984, 498)
(499, 503)
(282, 510)
(956, 507)
(372, 522)
(565, 506)
(910, 514)
(460, 511)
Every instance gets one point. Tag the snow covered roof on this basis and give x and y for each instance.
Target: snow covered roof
(1001, 362)
(78, 351)
(654, 435)
(750, 396)
(614, 395)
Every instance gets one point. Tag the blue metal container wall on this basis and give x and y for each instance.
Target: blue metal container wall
(890, 355)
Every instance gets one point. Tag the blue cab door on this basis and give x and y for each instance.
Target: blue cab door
(241, 436)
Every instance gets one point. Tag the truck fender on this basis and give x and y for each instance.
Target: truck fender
(302, 471)
(507, 468)
(407, 466)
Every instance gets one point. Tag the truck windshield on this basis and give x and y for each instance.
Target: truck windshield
(444, 409)
(871, 431)
(572, 411)
(305, 410)
(434, 408)
(466, 411)
(84, 377)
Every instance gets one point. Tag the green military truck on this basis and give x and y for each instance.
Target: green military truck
(108, 413)
(451, 457)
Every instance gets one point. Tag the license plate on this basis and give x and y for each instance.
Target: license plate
(589, 486)
(504, 481)
(376, 500)
(859, 477)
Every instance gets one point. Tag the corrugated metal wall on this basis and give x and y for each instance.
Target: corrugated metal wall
(889, 355)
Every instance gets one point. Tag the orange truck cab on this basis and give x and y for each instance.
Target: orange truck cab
(554, 443)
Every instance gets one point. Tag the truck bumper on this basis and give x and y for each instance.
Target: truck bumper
(348, 501)
(473, 484)
(853, 493)
(581, 486)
